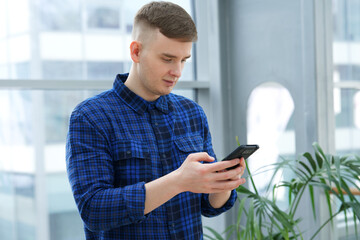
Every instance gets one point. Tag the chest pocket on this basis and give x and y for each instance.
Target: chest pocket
(132, 162)
(186, 145)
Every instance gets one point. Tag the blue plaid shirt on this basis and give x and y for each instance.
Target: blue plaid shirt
(116, 143)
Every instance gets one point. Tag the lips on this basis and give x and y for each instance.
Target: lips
(169, 82)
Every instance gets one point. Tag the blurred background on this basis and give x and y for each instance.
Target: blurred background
(281, 74)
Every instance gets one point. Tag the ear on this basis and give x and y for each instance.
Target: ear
(135, 48)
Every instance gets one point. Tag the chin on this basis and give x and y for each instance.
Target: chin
(166, 91)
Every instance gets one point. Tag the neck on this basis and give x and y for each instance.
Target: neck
(133, 83)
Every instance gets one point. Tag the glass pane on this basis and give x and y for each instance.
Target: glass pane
(346, 20)
(33, 129)
(24, 143)
(17, 161)
(346, 59)
(60, 15)
(347, 134)
(71, 39)
(270, 109)
(103, 17)
(67, 70)
(3, 22)
(104, 70)
(346, 45)
(18, 17)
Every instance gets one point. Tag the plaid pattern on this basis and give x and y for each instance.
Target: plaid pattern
(116, 143)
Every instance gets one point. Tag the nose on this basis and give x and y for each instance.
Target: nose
(176, 70)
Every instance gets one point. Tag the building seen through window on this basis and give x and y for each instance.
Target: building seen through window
(346, 58)
(346, 65)
(53, 40)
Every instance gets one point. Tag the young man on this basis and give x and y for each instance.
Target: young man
(137, 154)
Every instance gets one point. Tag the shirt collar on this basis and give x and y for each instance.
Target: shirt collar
(137, 103)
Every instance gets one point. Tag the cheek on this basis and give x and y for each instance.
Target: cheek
(158, 69)
(151, 66)
(154, 68)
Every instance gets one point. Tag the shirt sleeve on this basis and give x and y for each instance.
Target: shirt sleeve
(91, 176)
(208, 211)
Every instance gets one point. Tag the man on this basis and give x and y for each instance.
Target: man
(137, 154)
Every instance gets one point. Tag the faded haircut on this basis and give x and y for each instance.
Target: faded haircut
(171, 20)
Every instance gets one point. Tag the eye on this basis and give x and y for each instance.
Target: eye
(167, 59)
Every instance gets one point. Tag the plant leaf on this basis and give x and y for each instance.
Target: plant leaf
(311, 191)
(310, 160)
(307, 169)
(215, 233)
(356, 208)
(327, 195)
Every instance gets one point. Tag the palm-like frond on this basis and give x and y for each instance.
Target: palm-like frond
(320, 172)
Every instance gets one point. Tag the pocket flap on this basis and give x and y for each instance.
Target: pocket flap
(193, 143)
(125, 149)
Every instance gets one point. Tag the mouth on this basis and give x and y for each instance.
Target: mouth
(169, 83)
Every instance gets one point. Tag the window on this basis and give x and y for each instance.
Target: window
(346, 61)
(71, 41)
(270, 109)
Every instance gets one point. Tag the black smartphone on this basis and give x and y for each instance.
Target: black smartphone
(242, 151)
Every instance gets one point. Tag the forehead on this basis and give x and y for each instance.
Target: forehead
(164, 45)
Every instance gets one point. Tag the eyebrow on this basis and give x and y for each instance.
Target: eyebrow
(173, 56)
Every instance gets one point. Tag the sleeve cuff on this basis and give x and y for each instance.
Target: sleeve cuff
(134, 197)
(209, 211)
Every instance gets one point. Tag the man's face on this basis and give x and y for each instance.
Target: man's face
(161, 62)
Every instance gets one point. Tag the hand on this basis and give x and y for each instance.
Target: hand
(196, 177)
(218, 199)
(242, 165)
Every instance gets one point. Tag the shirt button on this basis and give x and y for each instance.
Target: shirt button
(128, 152)
(164, 155)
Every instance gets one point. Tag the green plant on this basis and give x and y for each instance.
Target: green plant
(260, 217)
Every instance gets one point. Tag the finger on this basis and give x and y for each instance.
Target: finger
(223, 165)
(228, 184)
(242, 162)
(236, 177)
(201, 157)
(235, 173)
